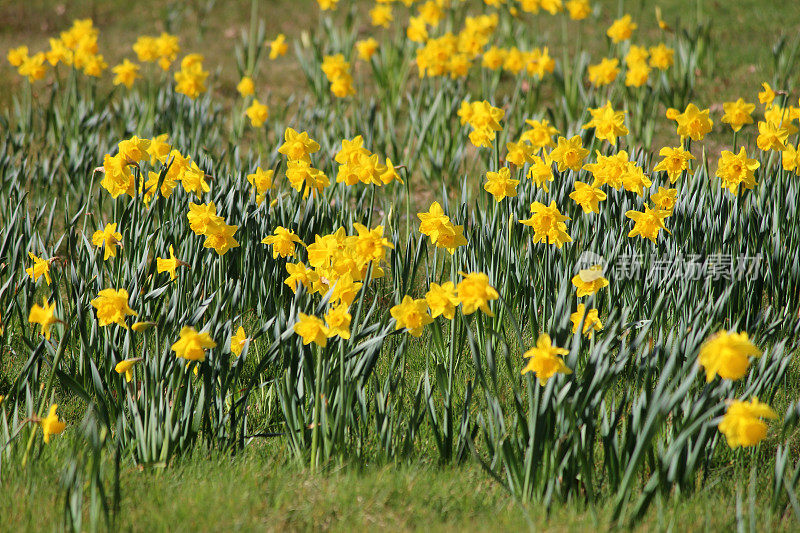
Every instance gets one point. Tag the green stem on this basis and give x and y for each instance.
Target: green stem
(317, 401)
(48, 388)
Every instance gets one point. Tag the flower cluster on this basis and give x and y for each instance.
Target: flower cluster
(357, 164)
(203, 220)
(75, 47)
(191, 78)
(162, 49)
(337, 262)
(337, 70)
(472, 293)
(298, 147)
(132, 156)
(451, 54)
(338, 266)
(484, 120)
(443, 233)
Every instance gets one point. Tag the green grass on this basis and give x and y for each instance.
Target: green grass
(259, 490)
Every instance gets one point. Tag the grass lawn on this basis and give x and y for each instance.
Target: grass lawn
(260, 490)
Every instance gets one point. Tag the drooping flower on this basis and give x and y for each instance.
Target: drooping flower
(51, 425)
(238, 340)
(742, 424)
(193, 345)
(141, 327)
(169, 264)
(767, 96)
(41, 267)
(411, 314)
(591, 323)
(112, 307)
(727, 355)
(544, 360)
(43, 315)
(126, 367)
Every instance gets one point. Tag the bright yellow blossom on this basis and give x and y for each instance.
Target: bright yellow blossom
(112, 307)
(741, 423)
(411, 314)
(43, 315)
(544, 360)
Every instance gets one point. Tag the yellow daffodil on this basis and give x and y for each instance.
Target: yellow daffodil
(742, 424)
(544, 360)
(192, 345)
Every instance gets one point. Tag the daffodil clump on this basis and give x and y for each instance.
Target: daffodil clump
(455, 239)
